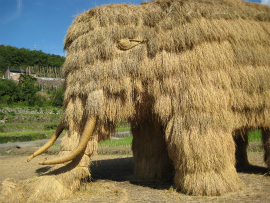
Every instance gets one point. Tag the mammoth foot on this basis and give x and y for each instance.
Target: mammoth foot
(44, 188)
(208, 183)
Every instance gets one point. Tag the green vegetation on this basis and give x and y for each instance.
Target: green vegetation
(13, 57)
(121, 142)
(57, 97)
(43, 109)
(2, 115)
(41, 124)
(122, 126)
(11, 113)
(24, 136)
(25, 93)
(255, 136)
(50, 127)
(27, 90)
(25, 119)
(122, 129)
(9, 91)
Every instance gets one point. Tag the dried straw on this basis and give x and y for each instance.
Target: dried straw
(200, 75)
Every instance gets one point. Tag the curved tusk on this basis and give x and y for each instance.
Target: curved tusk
(88, 131)
(58, 131)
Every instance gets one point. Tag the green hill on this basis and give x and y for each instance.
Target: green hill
(14, 57)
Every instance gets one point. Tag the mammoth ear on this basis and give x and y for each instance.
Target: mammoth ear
(126, 44)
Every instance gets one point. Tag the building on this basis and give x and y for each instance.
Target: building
(14, 74)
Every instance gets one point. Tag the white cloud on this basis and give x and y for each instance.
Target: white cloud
(12, 12)
(19, 5)
(266, 2)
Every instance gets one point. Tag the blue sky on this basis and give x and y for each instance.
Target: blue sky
(44, 23)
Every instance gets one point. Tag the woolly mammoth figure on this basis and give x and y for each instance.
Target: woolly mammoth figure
(189, 75)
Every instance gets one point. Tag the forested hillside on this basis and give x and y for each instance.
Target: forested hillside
(27, 93)
(22, 58)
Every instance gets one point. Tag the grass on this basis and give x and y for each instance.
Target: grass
(26, 118)
(255, 136)
(121, 142)
(122, 129)
(25, 133)
(35, 126)
(27, 107)
(24, 136)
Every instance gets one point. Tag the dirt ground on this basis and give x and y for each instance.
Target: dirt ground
(112, 179)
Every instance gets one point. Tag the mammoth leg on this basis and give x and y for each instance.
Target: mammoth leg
(241, 143)
(150, 151)
(266, 145)
(203, 159)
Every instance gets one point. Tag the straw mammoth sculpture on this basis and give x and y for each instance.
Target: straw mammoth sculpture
(190, 81)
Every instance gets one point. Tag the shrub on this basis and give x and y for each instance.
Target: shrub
(27, 88)
(2, 130)
(9, 91)
(2, 115)
(11, 113)
(40, 101)
(9, 101)
(58, 97)
(5, 98)
(50, 127)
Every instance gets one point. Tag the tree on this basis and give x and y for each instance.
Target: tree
(28, 89)
(15, 58)
(9, 91)
(58, 97)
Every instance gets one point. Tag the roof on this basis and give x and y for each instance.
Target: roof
(20, 71)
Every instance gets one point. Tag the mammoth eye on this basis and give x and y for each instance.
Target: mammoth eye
(126, 44)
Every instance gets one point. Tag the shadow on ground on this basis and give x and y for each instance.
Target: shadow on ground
(121, 169)
(252, 169)
(42, 170)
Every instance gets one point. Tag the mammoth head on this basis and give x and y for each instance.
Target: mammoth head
(113, 57)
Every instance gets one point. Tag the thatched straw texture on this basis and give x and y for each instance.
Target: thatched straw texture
(150, 152)
(195, 71)
(207, 56)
